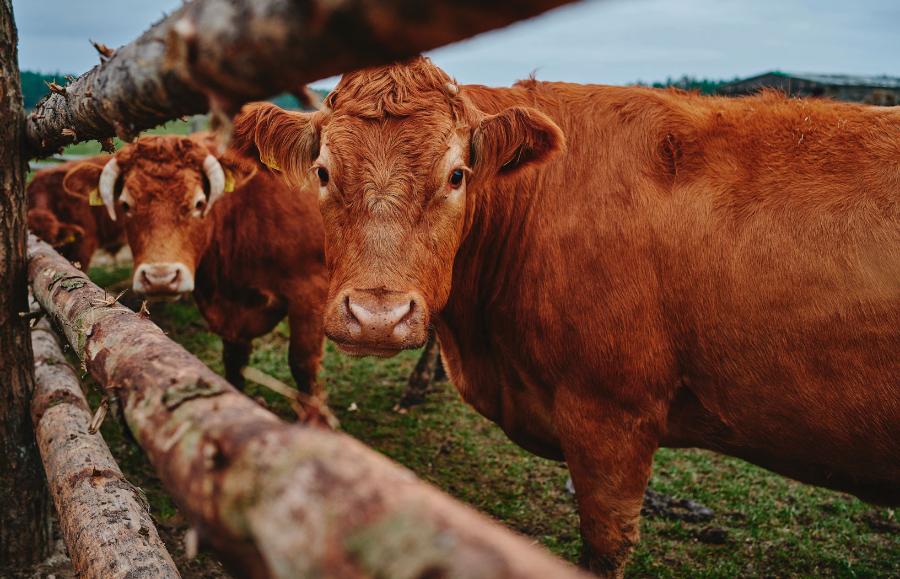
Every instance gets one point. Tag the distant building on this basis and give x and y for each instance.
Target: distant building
(876, 90)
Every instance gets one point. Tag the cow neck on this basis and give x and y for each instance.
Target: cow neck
(235, 233)
(490, 258)
(488, 273)
(477, 328)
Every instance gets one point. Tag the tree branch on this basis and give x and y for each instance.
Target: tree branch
(219, 54)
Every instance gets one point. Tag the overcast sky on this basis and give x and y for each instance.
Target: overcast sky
(605, 41)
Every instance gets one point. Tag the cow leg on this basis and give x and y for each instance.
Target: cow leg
(423, 374)
(305, 350)
(87, 246)
(235, 356)
(609, 452)
(440, 373)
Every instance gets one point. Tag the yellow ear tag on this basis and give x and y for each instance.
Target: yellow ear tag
(271, 164)
(229, 181)
(94, 199)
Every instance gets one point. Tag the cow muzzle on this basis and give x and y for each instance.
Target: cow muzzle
(162, 279)
(377, 322)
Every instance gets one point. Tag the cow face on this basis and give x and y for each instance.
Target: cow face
(162, 189)
(402, 159)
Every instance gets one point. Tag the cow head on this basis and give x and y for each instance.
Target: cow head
(402, 158)
(162, 189)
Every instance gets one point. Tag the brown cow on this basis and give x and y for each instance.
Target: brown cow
(676, 270)
(250, 256)
(68, 222)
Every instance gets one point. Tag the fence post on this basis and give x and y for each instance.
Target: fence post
(24, 502)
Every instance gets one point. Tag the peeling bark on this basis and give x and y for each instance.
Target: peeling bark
(24, 503)
(104, 520)
(273, 499)
(219, 54)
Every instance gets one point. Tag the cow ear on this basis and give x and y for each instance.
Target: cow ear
(238, 170)
(69, 233)
(284, 141)
(43, 223)
(237, 166)
(518, 137)
(82, 180)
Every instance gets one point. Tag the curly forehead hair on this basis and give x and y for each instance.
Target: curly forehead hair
(397, 90)
(164, 151)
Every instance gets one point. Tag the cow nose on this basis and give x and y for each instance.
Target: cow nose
(387, 314)
(383, 319)
(163, 279)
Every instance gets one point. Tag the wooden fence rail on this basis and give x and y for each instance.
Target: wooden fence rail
(104, 520)
(273, 499)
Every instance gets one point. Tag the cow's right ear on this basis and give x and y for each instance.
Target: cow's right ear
(82, 180)
(282, 140)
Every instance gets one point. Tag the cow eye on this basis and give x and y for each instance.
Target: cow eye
(200, 204)
(322, 174)
(456, 178)
(125, 206)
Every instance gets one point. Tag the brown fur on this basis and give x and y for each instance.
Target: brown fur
(688, 271)
(256, 257)
(68, 222)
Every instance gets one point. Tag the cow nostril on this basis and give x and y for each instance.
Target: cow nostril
(176, 276)
(348, 307)
(410, 309)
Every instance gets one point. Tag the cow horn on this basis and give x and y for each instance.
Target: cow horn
(216, 176)
(107, 186)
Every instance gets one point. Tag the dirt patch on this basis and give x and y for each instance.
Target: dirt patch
(881, 524)
(659, 505)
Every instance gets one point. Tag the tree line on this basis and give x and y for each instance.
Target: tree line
(34, 87)
(691, 83)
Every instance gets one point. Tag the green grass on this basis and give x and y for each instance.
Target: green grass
(775, 527)
(107, 276)
(177, 126)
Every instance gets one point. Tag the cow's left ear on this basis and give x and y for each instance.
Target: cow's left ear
(513, 139)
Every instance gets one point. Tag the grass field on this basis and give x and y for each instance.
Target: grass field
(764, 525)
